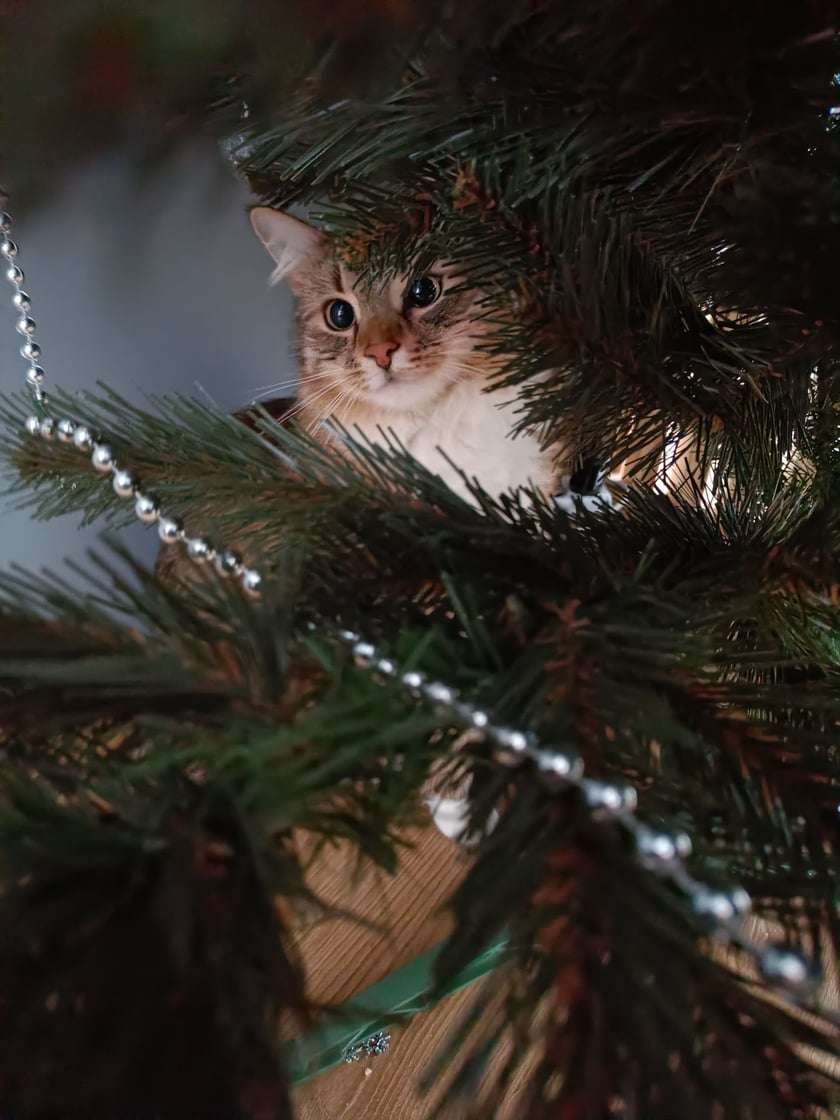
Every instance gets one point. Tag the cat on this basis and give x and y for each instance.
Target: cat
(402, 358)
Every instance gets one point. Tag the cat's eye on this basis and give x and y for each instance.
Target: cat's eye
(340, 315)
(422, 292)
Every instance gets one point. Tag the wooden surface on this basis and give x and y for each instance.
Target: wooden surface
(343, 958)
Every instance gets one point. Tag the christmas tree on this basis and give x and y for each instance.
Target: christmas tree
(638, 700)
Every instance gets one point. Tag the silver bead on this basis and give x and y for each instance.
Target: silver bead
(741, 900)
(364, 654)
(386, 667)
(146, 509)
(471, 715)
(556, 764)
(14, 274)
(46, 428)
(413, 681)
(124, 484)
(32, 425)
(170, 529)
(64, 429)
(25, 325)
(463, 710)
(200, 550)
(5, 222)
(21, 301)
(31, 351)
(348, 636)
(655, 848)
(684, 844)
(789, 969)
(510, 739)
(228, 563)
(8, 249)
(439, 693)
(83, 438)
(252, 583)
(631, 798)
(713, 904)
(35, 376)
(607, 798)
(102, 458)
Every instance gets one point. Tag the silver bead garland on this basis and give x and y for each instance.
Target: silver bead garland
(170, 529)
(662, 854)
(26, 326)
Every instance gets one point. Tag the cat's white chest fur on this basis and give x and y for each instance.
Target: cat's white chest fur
(473, 429)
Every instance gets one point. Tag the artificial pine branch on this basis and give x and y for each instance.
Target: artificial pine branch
(590, 923)
(119, 943)
(605, 669)
(150, 855)
(659, 186)
(630, 630)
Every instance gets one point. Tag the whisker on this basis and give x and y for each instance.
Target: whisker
(277, 387)
(294, 410)
(263, 389)
(336, 404)
(343, 397)
(309, 401)
(281, 386)
(463, 367)
(299, 407)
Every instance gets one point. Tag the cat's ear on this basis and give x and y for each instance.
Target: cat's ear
(291, 242)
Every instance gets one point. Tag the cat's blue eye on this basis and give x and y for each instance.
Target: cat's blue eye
(422, 292)
(340, 315)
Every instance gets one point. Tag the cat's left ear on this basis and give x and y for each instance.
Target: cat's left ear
(292, 243)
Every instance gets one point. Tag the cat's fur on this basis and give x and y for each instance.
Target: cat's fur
(415, 372)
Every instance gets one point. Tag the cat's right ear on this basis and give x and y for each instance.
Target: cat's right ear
(291, 242)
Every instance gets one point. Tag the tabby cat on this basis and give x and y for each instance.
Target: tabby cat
(403, 358)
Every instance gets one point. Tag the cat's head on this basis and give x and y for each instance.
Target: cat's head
(393, 346)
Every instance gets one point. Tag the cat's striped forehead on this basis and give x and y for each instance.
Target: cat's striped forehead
(327, 277)
(316, 270)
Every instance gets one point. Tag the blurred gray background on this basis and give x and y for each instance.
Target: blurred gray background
(155, 286)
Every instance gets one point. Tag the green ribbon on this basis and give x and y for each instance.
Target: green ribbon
(401, 995)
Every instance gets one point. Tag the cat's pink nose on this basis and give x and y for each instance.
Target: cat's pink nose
(381, 352)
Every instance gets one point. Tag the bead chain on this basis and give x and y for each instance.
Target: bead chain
(660, 853)
(30, 350)
(146, 509)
